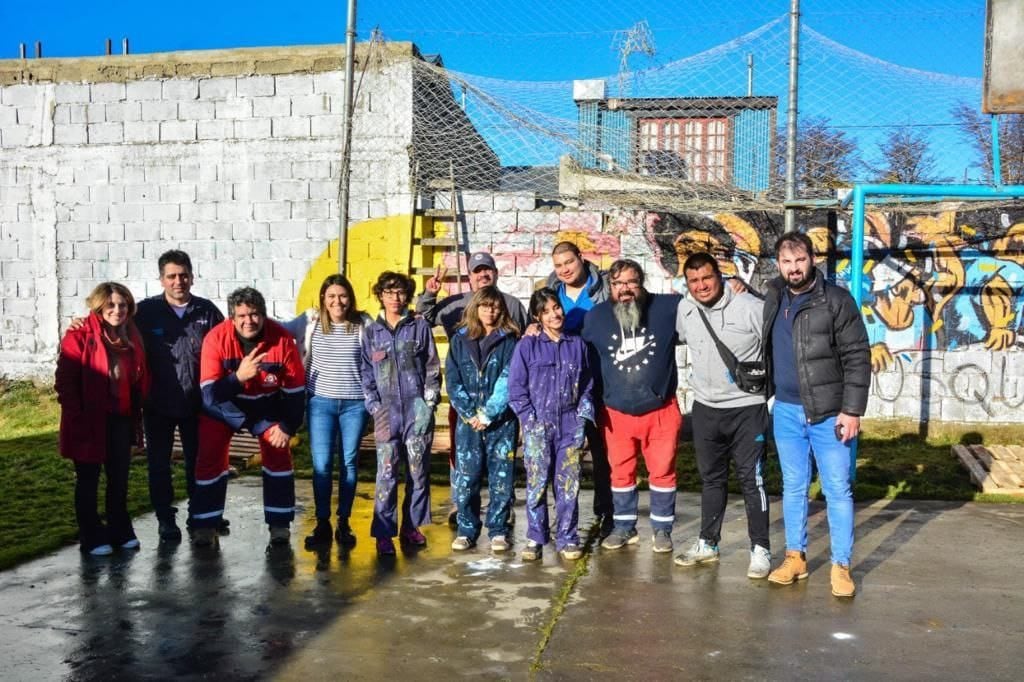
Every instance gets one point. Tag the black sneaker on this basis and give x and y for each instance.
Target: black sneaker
(224, 527)
(344, 534)
(621, 538)
(321, 535)
(168, 530)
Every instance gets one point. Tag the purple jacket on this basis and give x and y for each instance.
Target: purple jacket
(549, 378)
(400, 369)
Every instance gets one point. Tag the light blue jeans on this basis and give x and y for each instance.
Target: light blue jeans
(797, 441)
(333, 422)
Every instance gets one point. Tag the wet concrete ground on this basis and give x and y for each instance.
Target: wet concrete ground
(939, 596)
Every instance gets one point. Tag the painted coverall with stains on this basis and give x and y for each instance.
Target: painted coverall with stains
(478, 387)
(402, 383)
(551, 391)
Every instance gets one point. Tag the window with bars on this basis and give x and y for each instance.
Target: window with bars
(690, 148)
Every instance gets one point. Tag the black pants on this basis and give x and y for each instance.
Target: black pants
(602, 471)
(159, 444)
(736, 433)
(91, 531)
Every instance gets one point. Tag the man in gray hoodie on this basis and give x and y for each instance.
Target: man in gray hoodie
(728, 423)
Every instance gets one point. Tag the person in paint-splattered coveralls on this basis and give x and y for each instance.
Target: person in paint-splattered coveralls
(550, 390)
(402, 384)
(485, 435)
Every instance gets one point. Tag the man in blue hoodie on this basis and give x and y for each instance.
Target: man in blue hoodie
(634, 337)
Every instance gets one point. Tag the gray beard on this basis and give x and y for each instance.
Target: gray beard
(628, 314)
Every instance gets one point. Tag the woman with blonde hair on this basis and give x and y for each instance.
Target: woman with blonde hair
(485, 434)
(101, 381)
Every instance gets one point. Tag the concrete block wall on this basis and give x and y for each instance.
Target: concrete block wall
(238, 167)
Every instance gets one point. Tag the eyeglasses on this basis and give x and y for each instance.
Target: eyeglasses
(393, 293)
(623, 283)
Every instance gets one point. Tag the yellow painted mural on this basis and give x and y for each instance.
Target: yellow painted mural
(373, 247)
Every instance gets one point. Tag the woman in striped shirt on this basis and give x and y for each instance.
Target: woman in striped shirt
(331, 346)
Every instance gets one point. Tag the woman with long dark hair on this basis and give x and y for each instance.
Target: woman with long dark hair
(332, 350)
(101, 381)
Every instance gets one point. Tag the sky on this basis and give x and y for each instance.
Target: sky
(521, 39)
(562, 40)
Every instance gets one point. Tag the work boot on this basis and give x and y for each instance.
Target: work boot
(620, 538)
(662, 542)
(701, 552)
(204, 537)
(321, 535)
(794, 567)
(760, 563)
(344, 534)
(281, 535)
(168, 530)
(842, 582)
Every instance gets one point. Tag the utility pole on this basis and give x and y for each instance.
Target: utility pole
(791, 116)
(346, 135)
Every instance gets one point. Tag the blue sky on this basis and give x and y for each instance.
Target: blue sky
(522, 39)
(562, 40)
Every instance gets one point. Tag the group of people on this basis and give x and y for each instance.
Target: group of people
(589, 365)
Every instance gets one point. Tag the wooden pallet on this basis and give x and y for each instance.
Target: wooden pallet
(994, 468)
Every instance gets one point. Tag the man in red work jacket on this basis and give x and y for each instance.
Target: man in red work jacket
(251, 378)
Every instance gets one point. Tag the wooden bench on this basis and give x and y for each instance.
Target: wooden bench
(994, 468)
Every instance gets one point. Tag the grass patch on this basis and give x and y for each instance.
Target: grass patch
(897, 459)
(37, 513)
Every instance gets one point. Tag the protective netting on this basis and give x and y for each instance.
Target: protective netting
(680, 128)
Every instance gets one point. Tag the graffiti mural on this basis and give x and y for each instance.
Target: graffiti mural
(946, 281)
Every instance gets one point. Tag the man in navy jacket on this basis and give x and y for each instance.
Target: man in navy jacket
(173, 325)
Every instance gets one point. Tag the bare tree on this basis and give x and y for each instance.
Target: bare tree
(905, 158)
(825, 157)
(978, 130)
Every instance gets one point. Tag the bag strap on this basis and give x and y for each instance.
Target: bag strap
(727, 355)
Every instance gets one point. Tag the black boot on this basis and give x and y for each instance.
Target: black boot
(168, 529)
(321, 535)
(344, 534)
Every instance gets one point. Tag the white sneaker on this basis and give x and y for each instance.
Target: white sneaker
(131, 544)
(499, 544)
(462, 543)
(101, 550)
(760, 563)
(702, 552)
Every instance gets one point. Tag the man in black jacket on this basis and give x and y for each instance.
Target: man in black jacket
(820, 371)
(173, 325)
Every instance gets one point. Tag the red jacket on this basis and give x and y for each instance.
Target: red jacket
(83, 389)
(276, 395)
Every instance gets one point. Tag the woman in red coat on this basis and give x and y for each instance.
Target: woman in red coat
(101, 381)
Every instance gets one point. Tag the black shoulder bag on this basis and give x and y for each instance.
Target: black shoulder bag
(749, 377)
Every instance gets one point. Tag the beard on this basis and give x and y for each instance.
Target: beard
(628, 314)
(803, 282)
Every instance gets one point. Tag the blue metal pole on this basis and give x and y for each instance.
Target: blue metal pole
(997, 161)
(856, 282)
(966, 192)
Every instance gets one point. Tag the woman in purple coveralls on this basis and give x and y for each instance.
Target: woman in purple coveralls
(550, 388)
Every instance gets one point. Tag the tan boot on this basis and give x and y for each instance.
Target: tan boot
(842, 582)
(794, 567)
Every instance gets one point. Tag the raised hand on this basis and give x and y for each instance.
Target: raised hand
(250, 365)
(433, 285)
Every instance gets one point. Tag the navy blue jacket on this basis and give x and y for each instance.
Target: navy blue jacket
(172, 352)
(637, 369)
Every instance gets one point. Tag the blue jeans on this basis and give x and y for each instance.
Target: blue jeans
(796, 441)
(333, 421)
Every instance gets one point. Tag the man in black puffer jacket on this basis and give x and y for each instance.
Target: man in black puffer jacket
(820, 371)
